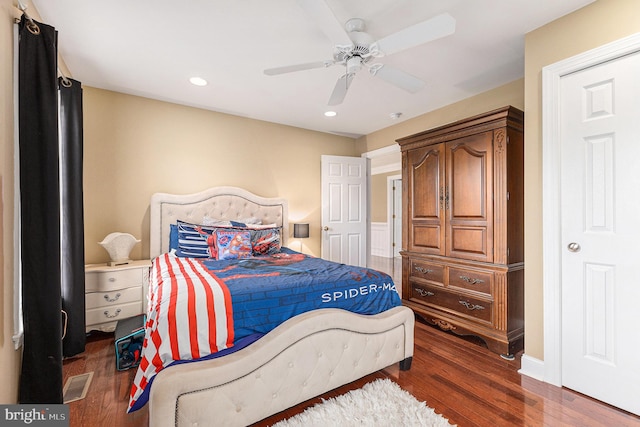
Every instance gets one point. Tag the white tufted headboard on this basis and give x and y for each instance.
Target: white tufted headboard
(225, 203)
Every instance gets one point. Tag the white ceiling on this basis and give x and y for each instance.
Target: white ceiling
(152, 47)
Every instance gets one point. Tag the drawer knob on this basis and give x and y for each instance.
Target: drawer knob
(471, 306)
(112, 299)
(424, 270)
(471, 280)
(424, 293)
(112, 279)
(106, 313)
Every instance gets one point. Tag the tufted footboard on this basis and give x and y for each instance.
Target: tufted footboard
(304, 357)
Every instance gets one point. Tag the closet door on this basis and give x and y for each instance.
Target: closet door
(469, 197)
(426, 182)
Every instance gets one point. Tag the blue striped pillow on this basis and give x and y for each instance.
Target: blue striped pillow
(195, 241)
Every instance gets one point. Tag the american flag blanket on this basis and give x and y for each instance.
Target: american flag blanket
(200, 308)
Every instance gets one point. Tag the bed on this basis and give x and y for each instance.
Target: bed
(303, 357)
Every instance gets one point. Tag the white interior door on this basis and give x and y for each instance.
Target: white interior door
(600, 218)
(344, 209)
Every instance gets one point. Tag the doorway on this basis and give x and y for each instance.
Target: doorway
(394, 215)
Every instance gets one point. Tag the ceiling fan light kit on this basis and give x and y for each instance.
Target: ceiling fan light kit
(354, 48)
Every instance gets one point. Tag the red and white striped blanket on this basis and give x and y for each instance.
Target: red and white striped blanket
(194, 330)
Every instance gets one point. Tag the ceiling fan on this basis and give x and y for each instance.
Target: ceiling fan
(355, 49)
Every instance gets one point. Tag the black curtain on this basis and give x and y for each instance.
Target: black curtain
(71, 149)
(41, 376)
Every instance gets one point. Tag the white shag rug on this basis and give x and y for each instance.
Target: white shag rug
(379, 403)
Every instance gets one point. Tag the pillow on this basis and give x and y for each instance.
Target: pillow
(241, 222)
(233, 244)
(266, 241)
(207, 220)
(250, 220)
(261, 226)
(173, 237)
(195, 241)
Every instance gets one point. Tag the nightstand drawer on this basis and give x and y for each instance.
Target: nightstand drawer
(112, 313)
(106, 299)
(112, 280)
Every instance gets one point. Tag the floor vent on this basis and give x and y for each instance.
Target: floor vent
(76, 387)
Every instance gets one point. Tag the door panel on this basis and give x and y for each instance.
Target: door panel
(469, 197)
(600, 145)
(426, 190)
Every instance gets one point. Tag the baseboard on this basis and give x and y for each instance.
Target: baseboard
(532, 367)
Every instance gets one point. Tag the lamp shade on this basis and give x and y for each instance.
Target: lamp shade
(300, 231)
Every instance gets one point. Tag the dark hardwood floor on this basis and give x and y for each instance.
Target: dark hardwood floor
(459, 378)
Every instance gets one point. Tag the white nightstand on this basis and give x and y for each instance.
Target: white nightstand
(114, 293)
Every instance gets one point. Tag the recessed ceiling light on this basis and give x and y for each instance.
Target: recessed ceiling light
(395, 116)
(330, 113)
(198, 81)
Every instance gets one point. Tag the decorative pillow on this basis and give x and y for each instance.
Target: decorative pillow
(266, 241)
(233, 244)
(195, 241)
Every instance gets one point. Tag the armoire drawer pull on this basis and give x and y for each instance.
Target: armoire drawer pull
(423, 270)
(112, 279)
(471, 306)
(471, 280)
(424, 293)
(106, 313)
(112, 299)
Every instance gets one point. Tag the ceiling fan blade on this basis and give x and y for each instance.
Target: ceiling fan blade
(340, 90)
(423, 32)
(321, 14)
(298, 67)
(398, 78)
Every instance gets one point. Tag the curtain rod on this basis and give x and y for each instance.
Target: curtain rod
(36, 30)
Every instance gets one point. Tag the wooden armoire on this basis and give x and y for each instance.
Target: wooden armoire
(463, 234)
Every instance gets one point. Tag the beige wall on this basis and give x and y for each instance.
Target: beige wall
(136, 146)
(592, 26)
(10, 365)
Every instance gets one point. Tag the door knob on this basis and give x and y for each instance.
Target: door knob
(573, 247)
(325, 228)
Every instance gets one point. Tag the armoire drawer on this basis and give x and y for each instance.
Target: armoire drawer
(427, 271)
(439, 298)
(106, 299)
(474, 280)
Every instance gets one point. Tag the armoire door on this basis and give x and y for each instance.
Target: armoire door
(426, 182)
(469, 197)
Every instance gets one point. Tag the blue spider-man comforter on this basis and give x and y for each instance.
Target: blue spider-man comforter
(204, 308)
